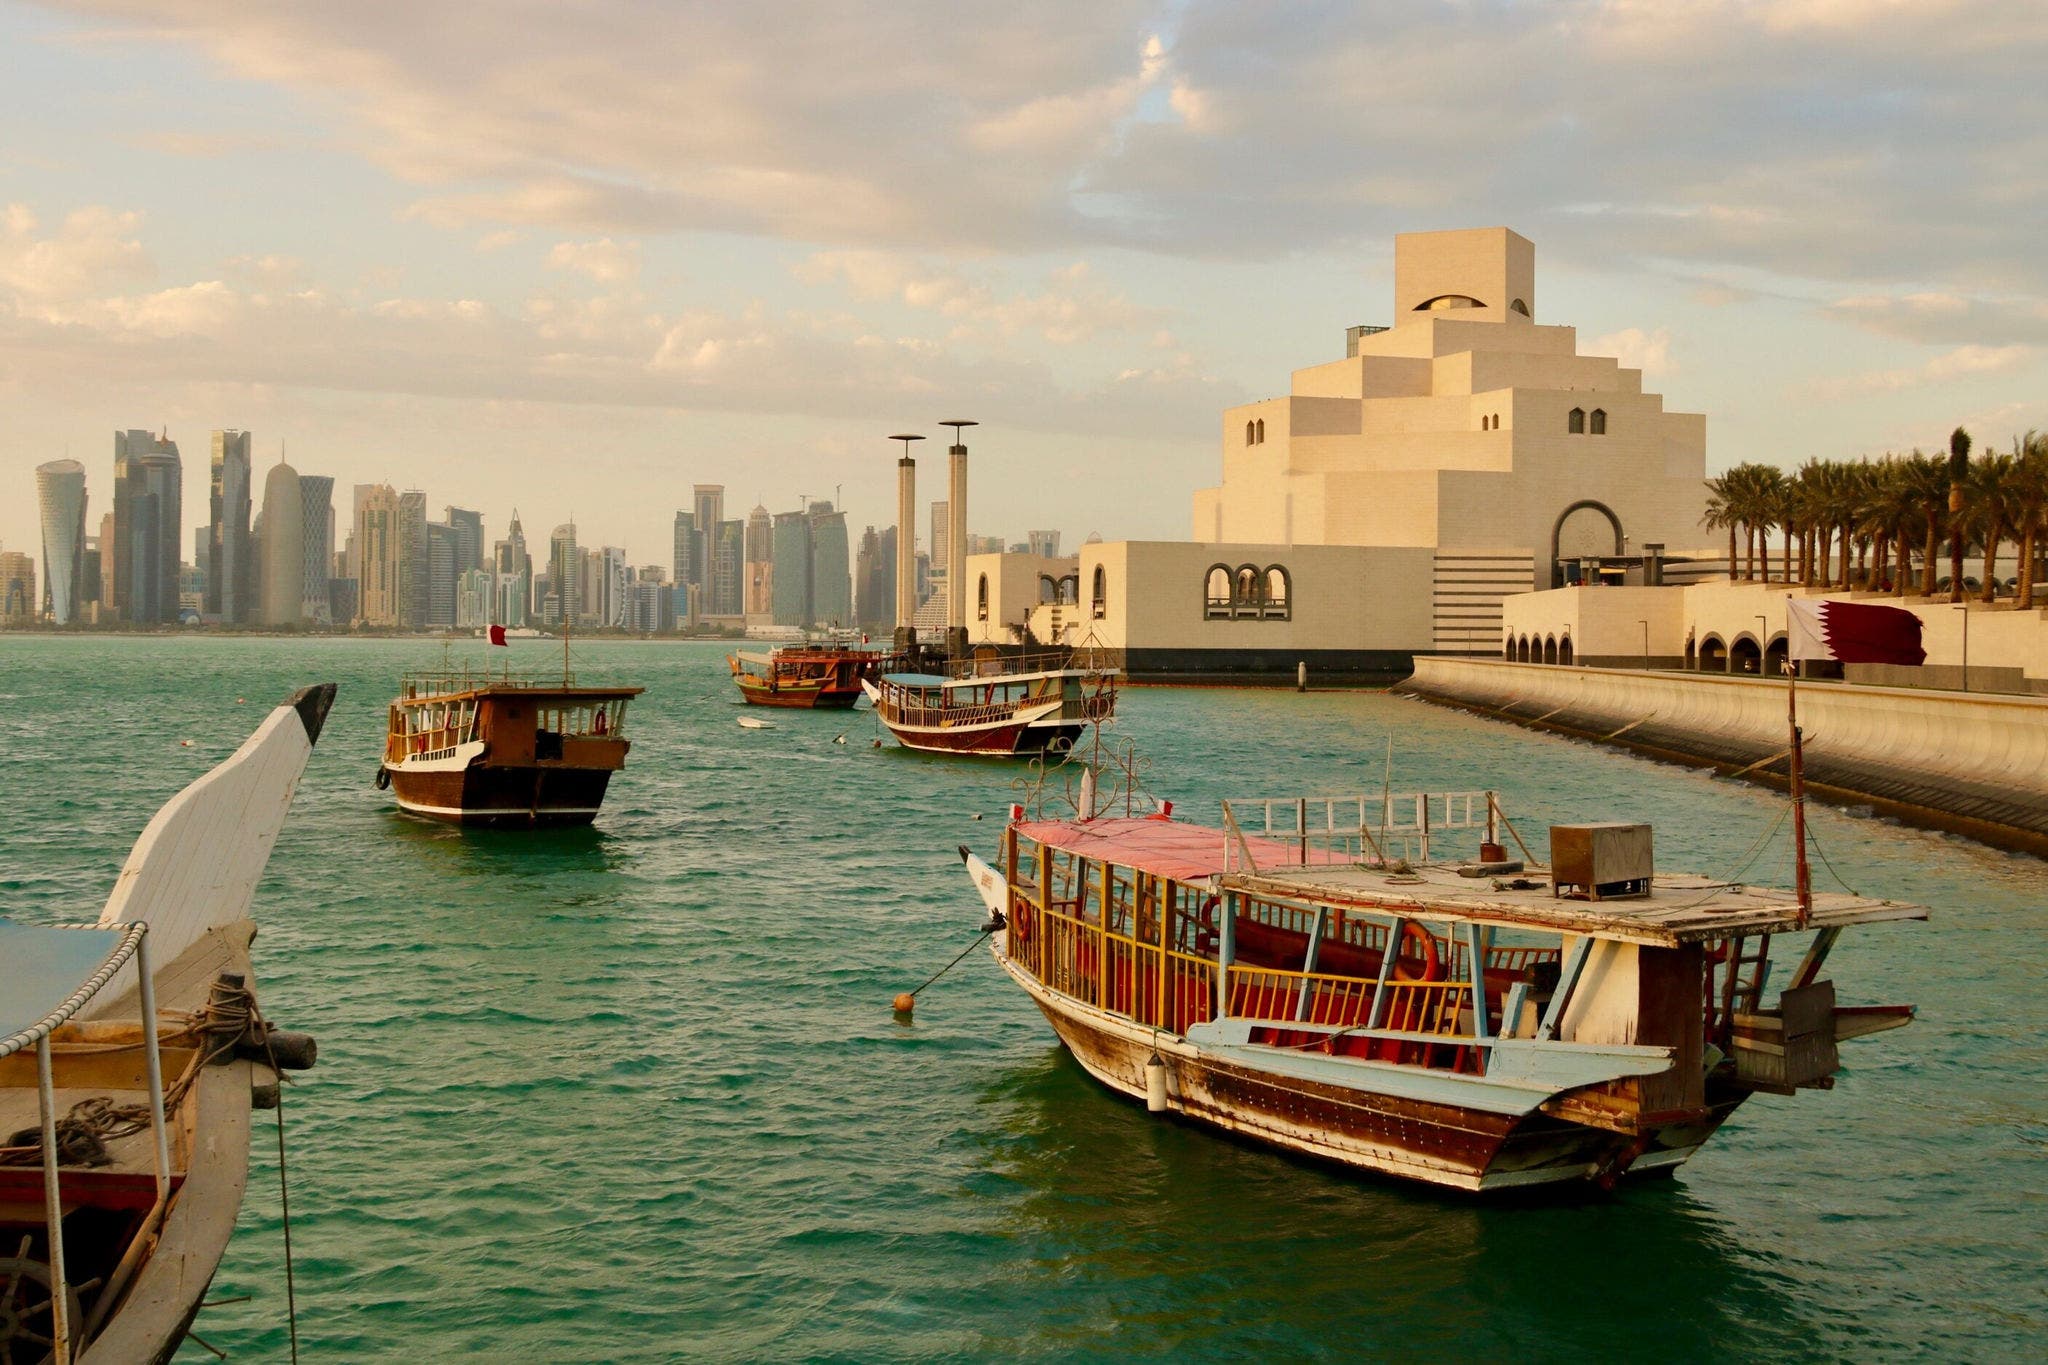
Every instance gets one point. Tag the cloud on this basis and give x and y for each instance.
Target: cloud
(94, 248)
(605, 261)
(1636, 349)
(1069, 307)
(1962, 364)
(1940, 317)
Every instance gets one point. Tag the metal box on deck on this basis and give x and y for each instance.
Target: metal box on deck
(1600, 862)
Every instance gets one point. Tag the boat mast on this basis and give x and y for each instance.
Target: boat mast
(1797, 771)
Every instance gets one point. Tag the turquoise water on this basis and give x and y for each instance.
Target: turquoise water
(635, 1093)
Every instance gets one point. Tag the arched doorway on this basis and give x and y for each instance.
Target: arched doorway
(1774, 657)
(1744, 656)
(1713, 655)
(1692, 654)
(1549, 649)
(1507, 649)
(1564, 650)
(1586, 529)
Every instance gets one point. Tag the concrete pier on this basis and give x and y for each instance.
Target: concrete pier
(1968, 763)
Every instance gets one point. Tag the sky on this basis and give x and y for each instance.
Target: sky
(573, 256)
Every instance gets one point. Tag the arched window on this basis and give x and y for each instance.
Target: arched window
(981, 599)
(1070, 590)
(1446, 301)
(1048, 588)
(1517, 306)
(1575, 421)
(1598, 426)
(1244, 588)
(1216, 592)
(1261, 424)
(1279, 604)
(1098, 594)
(1249, 433)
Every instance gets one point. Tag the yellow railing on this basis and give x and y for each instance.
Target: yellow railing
(1109, 970)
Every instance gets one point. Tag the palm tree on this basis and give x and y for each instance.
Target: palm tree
(1720, 513)
(1990, 501)
(2028, 507)
(1958, 484)
(1928, 479)
(1895, 515)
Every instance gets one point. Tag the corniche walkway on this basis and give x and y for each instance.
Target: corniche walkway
(1970, 763)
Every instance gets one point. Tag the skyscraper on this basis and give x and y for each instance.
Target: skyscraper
(316, 537)
(376, 555)
(230, 558)
(874, 579)
(60, 491)
(729, 562)
(469, 538)
(613, 582)
(831, 581)
(441, 576)
(565, 572)
(707, 510)
(148, 510)
(282, 555)
(17, 588)
(1045, 544)
(413, 568)
(792, 538)
(513, 569)
(759, 599)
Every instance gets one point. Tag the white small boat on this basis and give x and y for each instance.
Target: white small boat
(131, 1052)
(755, 723)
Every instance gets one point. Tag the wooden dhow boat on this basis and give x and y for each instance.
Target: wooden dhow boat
(821, 677)
(995, 708)
(503, 751)
(131, 1054)
(1450, 1022)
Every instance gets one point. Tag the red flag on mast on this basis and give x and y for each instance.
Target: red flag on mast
(1853, 632)
(498, 636)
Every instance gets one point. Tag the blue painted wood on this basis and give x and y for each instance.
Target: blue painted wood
(1574, 964)
(1379, 989)
(1511, 1008)
(1308, 960)
(1226, 951)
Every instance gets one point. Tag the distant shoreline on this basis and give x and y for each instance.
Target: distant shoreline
(203, 633)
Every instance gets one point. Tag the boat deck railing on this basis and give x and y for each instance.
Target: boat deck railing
(424, 685)
(998, 665)
(1368, 827)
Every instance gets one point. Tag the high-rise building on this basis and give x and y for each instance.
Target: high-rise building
(707, 509)
(149, 483)
(230, 555)
(792, 538)
(874, 579)
(758, 601)
(729, 551)
(831, 579)
(282, 552)
(984, 545)
(376, 555)
(414, 568)
(565, 572)
(513, 568)
(17, 589)
(60, 493)
(473, 599)
(688, 557)
(441, 576)
(316, 542)
(469, 538)
(1044, 544)
(615, 576)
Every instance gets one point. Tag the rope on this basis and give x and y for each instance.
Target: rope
(284, 1199)
(1813, 838)
(956, 961)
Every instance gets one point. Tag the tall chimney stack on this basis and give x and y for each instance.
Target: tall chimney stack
(906, 545)
(956, 548)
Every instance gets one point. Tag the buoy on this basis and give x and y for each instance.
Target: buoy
(977, 815)
(241, 701)
(184, 744)
(878, 744)
(1155, 1084)
(905, 1003)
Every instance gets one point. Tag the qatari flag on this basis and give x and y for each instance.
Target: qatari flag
(498, 636)
(1853, 632)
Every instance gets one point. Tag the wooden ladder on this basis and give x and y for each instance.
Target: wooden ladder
(1736, 989)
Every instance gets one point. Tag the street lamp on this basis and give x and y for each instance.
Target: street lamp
(1966, 645)
(1763, 633)
(1646, 642)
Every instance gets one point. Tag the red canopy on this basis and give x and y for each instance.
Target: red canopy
(1164, 848)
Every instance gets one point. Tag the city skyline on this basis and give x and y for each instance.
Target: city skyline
(1092, 231)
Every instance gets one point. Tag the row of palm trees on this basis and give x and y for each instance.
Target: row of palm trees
(1859, 523)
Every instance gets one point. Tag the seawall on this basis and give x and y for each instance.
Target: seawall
(1968, 763)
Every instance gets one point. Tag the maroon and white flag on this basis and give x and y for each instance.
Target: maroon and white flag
(1852, 632)
(498, 636)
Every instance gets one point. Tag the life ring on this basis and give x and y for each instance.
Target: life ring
(383, 778)
(1432, 961)
(1020, 919)
(600, 725)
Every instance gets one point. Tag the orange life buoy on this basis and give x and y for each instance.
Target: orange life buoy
(1432, 961)
(1207, 931)
(599, 725)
